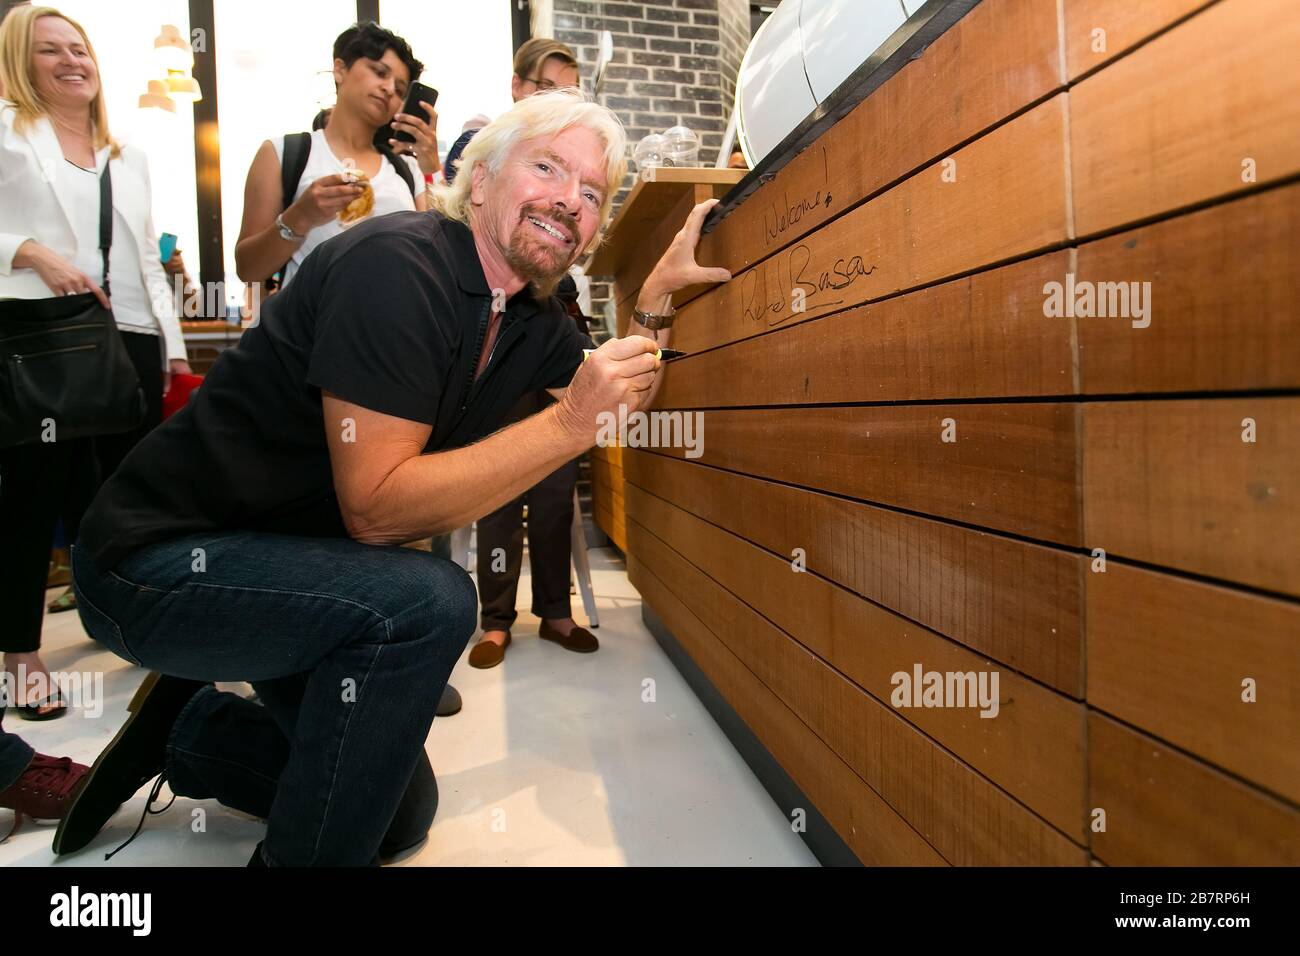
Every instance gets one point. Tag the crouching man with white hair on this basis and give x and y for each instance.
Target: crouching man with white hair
(255, 535)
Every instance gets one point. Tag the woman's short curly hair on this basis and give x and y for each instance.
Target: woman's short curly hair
(371, 41)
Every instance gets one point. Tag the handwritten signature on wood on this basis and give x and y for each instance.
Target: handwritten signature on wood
(768, 291)
(778, 218)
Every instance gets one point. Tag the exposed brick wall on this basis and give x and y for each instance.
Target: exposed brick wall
(675, 63)
(734, 21)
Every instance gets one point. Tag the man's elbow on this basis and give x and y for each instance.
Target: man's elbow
(369, 526)
(364, 526)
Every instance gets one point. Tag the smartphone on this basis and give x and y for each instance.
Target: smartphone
(417, 94)
(166, 246)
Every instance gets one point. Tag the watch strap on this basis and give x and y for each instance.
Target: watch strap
(285, 231)
(653, 321)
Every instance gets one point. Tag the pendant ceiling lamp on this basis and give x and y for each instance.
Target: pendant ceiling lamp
(157, 98)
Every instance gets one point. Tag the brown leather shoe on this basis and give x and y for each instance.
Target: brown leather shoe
(488, 653)
(580, 639)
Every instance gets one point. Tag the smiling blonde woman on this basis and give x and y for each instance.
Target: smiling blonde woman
(55, 145)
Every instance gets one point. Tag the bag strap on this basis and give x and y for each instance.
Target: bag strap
(399, 164)
(297, 149)
(106, 220)
(293, 163)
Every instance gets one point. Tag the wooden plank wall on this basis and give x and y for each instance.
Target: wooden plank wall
(645, 230)
(1102, 510)
(607, 499)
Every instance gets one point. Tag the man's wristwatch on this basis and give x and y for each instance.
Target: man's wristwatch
(652, 321)
(285, 231)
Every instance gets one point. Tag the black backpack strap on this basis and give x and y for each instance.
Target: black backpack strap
(297, 149)
(402, 166)
(293, 163)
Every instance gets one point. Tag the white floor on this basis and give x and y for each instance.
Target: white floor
(556, 760)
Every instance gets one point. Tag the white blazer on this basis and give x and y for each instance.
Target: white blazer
(33, 206)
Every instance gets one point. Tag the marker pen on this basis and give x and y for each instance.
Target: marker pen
(662, 354)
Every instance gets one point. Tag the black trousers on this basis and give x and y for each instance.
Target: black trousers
(44, 482)
(39, 484)
(501, 543)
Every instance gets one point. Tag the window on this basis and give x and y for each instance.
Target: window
(467, 53)
(122, 35)
(269, 56)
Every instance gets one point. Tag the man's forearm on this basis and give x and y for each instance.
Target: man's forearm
(656, 303)
(438, 493)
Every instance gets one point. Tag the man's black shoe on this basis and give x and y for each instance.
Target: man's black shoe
(410, 824)
(134, 757)
(449, 703)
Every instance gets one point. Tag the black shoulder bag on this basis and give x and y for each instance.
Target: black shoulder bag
(64, 369)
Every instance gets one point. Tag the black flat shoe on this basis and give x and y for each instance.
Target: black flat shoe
(449, 703)
(136, 755)
(410, 825)
(33, 711)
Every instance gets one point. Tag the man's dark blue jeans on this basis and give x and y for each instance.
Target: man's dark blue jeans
(348, 646)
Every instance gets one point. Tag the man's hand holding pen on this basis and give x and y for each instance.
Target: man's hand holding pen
(623, 371)
(619, 373)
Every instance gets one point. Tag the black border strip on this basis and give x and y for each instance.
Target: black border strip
(207, 157)
(521, 24)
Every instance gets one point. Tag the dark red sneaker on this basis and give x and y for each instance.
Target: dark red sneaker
(45, 790)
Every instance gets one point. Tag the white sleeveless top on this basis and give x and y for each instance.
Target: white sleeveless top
(391, 194)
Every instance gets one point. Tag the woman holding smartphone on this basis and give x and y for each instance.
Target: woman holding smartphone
(355, 154)
(55, 146)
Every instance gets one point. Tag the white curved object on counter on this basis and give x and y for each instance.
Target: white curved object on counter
(799, 56)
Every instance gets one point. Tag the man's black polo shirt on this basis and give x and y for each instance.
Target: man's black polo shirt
(391, 316)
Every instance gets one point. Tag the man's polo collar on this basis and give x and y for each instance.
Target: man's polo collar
(469, 271)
